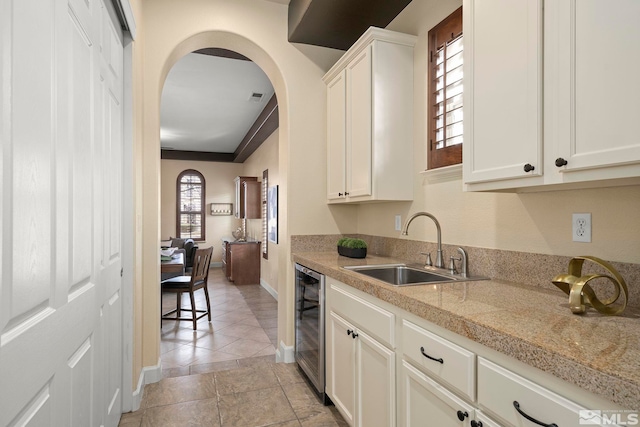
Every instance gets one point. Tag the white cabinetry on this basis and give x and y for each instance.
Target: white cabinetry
(433, 370)
(503, 89)
(588, 84)
(360, 364)
(370, 120)
(427, 403)
(386, 367)
(515, 399)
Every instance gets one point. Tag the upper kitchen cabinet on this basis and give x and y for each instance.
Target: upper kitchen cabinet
(592, 63)
(502, 90)
(248, 204)
(588, 83)
(370, 120)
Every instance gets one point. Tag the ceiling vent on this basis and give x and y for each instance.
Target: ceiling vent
(256, 97)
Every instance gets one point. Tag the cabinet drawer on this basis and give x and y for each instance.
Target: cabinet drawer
(454, 366)
(374, 320)
(499, 388)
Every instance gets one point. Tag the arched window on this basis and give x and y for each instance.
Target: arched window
(190, 206)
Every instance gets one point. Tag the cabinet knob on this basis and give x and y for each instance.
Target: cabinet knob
(462, 415)
(354, 335)
(475, 423)
(528, 167)
(560, 162)
(349, 331)
(346, 193)
(339, 194)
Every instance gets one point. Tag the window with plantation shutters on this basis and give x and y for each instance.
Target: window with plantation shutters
(190, 205)
(445, 92)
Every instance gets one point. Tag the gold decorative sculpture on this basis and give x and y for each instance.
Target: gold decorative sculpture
(576, 286)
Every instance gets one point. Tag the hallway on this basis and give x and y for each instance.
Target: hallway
(224, 374)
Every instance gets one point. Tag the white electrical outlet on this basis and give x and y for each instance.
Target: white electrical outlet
(398, 223)
(581, 227)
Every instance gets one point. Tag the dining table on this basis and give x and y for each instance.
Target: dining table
(172, 267)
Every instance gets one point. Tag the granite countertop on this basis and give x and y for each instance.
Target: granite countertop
(598, 353)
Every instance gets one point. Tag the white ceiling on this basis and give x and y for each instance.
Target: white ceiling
(206, 103)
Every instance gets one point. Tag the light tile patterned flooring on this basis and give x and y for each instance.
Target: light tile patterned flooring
(224, 374)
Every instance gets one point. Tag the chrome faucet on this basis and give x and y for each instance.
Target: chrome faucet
(405, 232)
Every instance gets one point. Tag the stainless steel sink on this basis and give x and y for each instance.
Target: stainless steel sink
(403, 275)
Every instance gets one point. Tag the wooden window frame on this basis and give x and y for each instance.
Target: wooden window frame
(447, 30)
(202, 211)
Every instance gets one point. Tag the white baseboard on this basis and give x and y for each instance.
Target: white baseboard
(284, 354)
(148, 375)
(269, 289)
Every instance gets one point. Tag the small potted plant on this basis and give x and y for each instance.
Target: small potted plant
(352, 248)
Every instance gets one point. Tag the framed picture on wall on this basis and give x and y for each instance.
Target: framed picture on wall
(272, 214)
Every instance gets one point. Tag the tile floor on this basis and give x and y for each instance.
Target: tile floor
(224, 374)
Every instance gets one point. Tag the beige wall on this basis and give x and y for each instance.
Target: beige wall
(265, 157)
(219, 187)
(538, 222)
(258, 30)
(168, 29)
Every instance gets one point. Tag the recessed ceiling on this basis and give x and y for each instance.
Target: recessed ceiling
(209, 103)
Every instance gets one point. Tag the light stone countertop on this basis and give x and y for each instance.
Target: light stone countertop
(598, 353)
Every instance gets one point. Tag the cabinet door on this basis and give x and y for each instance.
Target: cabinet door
(359, 125)
(598, 65)
(429, 404)
(503, 89)
(341, 352)
(336, 138)
(499, 388)
(375, 383)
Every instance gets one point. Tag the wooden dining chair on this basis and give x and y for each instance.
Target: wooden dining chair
(182, 284)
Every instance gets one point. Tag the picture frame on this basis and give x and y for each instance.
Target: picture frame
(272, 214)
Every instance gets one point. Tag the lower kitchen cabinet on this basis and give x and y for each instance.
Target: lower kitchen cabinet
(500, 391)
(429, 404)
(360, 375)
(340, 360)
(241, 262)
(432, 377)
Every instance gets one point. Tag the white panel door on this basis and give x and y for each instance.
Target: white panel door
(429, 404)
(341, 366)
(61, 130)
(359, 112)
(375, 383)
(600, 41)
(336, 138)
(502, 89)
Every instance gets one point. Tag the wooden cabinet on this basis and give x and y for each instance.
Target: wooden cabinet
(370, 120)
(247, 197)
(585, 132)
(360, 367)
(241, 262)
